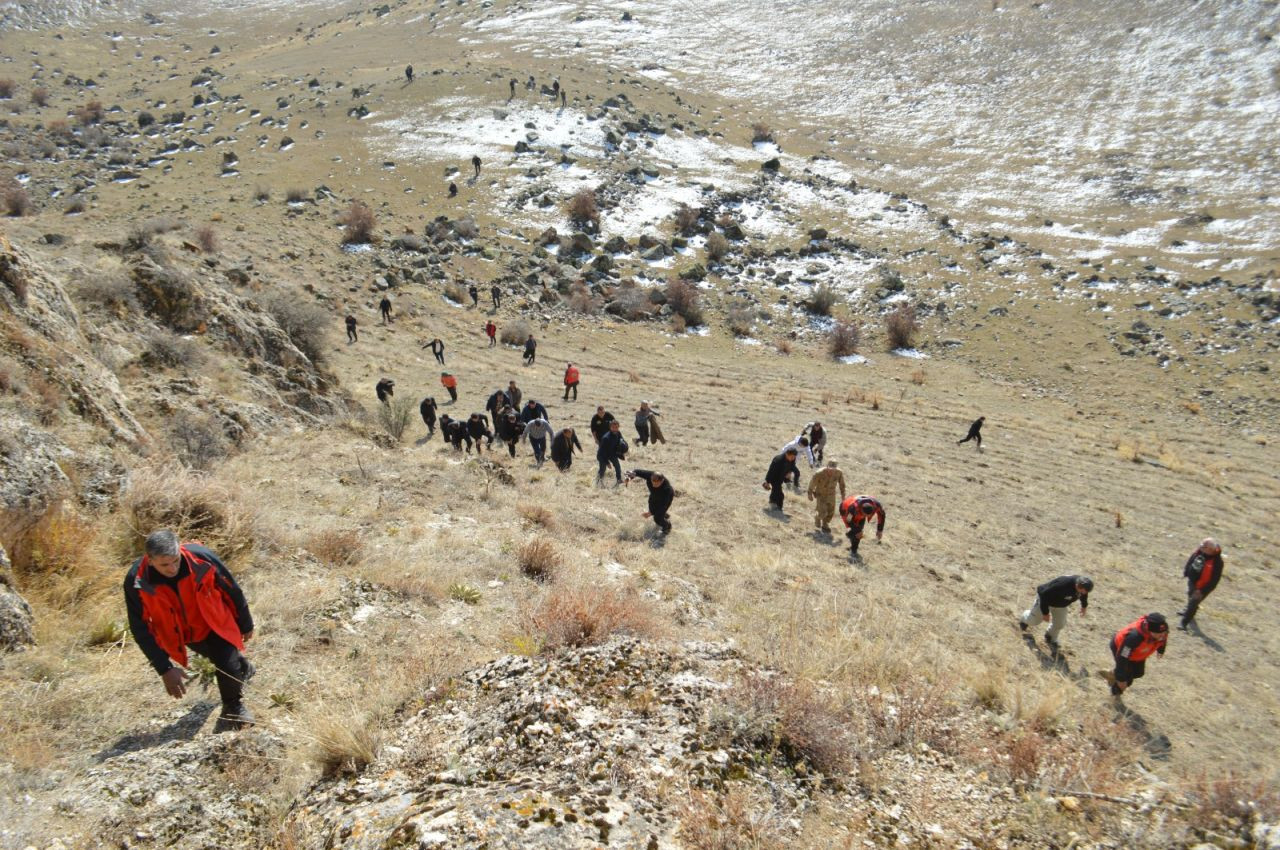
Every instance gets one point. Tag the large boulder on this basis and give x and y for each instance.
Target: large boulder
(15, 614)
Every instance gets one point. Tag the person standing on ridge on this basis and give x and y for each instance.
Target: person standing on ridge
(428, 411)
(855, 511)
(530, 350)
(351, 329)
(491, 331)
(408, 73)
(1132, 646)
(611, 451)
(975, 432)
(822, 488)
(562, 449)
(180, 596)
(437, 348)
(661, 494)
(385, 389)
(570, 381)
(1203, 571)
(385, 307)
(450, 383)
(781, 469)
(1051, 603)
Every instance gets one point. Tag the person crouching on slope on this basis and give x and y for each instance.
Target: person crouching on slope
(1051, 603)
(661, 495)
(855, 511)
(1132, 646)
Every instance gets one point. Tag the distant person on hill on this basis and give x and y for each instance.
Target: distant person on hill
(975, 432)
(570, 381)
(530, 84)
(180, 596)
(513, 89)
(408, 73)
(385, 389)
(475, 295)
(564, 98)
(491, 331)
(385, 306)
(1132, 646)
(817, 440)
(495, 295)
(538, 431)
(661, 494)
(428, 410)
(530, 350)
(1203, 571)
(647, 425)
(478, 429)
(855, 511)
(450, 383)
(801, 446)
(822, 488)
(610, 452)
(1051, 602)
(351, 329)
(454, 431)
(437, 348)
(562, 449)
(781, 470)
(453, 189)
(475, 163)
(533, 410)
(513, 396)
(600, 423)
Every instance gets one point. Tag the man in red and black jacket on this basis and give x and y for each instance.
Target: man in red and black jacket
(1132, 646)
(1203, 572)
(181, 596)
(855, 511)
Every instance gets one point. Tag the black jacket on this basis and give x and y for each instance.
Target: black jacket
(1060, 593)
(509, 430)
(428, 411)
(612, 446)
(385, 389)
(779, 468)
(1196, 564)
(496, 402)
(530, 345)
(455, 431)
(533, 411)
(478, 426)
(660, 498)
(562, 446)
(600, 424)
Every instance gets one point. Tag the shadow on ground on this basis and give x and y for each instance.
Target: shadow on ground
(182, 729)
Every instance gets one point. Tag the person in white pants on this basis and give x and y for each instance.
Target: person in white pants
(1051, 603)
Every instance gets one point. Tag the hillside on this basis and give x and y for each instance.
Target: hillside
(171, 352)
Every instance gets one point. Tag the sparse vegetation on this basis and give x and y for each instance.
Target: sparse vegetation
(539, 559)
(305, 323)
(112, 291)
(572, 613)
(900, 327)
(337, 547)
(740, 318)
(165, 349)
(821, 301)
(295, 195)
(717, 246)
(396, 415)
(145, 120)
(737, 819)
(345, 741)
(39, 96)
(686, 219)
(844, 338)
(685, 301)
(74, 206)
(918, 377)
(537, 515)
(262, 194)
(766, 712)
(7, 88)
(515, 333)
(464, 593)
(358, 223)
(632, 303)
(457, 293)
(15, 199)
(207, 238)
(784, 345)
(761, 132)
(193, 505)
(581, 300)
(583, 209)
(89, 113)
(197, 439)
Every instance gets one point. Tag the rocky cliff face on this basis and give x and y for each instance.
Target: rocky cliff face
(15, 614)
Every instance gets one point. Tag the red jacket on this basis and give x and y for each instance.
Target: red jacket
(448, 380)
(207, 600)
(491, 329)
(1136, 641)
(571, 376)
(859, 509)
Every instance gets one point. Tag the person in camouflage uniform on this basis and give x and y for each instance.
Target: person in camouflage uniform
(822, 488)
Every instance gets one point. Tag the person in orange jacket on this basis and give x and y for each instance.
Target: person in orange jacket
(1203, 571)
(180, 596)
(1132, 646)
(450, 383)
(570, 381)
(855, 511)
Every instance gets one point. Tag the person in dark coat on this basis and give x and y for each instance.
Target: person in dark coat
(533, 410)
(562, 446)
(1053, 598)
(181, 596)
(975, 432)
(428, 410)
(454, 431)
(385, 389)
(530, 350)
(352, 336)
(408, 73)
(475, 163)
(496, 403)
(1203, 571)
(781, 470)
(453, 190)
(495, 295)
(510, 429)
(611, 451)
(385, 307)
(514, 395)
(661, 494)
(437, 348)
(600, 423)
(475, 295)
(478, 429)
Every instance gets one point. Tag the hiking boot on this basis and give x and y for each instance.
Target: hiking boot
(1051, 643)
(1022, 625)
(248, 671)
(233, 718)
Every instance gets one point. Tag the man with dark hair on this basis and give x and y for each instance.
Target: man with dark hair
(1132, 646)
(475, 295)
(661, 494)
(454, 431)
(475, 163)
(570, 381)
(385, 389)
(611, 451)
(538, 431)
(600, 423)
(179, 597)
(450, 383)
(453, 189)
(428, 410)
(801, 446)
(509, 429)
(1203, 571)
(351, 329)
(496, 403)
(385, 307)
(975, 432)
(437, 348)
(408, 73)
(478, 429)
(562, 447)
(781, 469)
(855, 511)
(514, 395)
(1051, 602)
(533, 410)
(817, 440)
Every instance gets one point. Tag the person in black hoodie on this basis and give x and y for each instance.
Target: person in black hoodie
(533, 410)
(1051, 603)
(600, 423)
(1202, 572)
(478, 429)
(612, 449)
(530, 350)
(509, 429)
(781, 470)
(661, 494)
(385, 389)
(454, 431)
(428, 410)
(562, 446)
(975, 432)
(496, 403)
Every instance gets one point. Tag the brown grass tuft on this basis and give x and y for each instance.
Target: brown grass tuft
(717, 246)
(196, 507)
(337, 547)
(740, 818)
(768, 713)
(900, 327)
(917, 377)
(344, 742)
(761, 132)
(515, 333)
(843, 339)
(207, 238)
(40, 96)
(7, 88)
(58, 558)
(685, 301)
(821, 301)
(537, 515)
(539, 559)
(570, 615)
(583, 210)
(686, 219)
(358, 222)
(89, 113)
(14, 198)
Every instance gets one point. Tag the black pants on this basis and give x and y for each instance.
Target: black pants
(386, 315)
(568, 387)
(453, 393)
(604, 464)
(511, 447)
(775, 495)
(662, 522)
(233, 668)
(497, 300)
(642, 434)
(1193, 605)
(971, 436)
(351, 334)
(539, 448)
(493, 340)
(1127, 671)
(439, 356)
(855, 536)
(564, 464)
(431, 426)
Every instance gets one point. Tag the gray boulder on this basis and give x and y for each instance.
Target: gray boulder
(15, 614)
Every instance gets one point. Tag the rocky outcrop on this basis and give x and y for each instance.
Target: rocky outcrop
(16, 627)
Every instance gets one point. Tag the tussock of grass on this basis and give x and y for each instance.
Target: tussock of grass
(195, 506)
(539, 559)
(572, 613)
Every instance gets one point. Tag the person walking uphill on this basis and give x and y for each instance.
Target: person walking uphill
(475, 295)
(855, 511)
(781, 470)
(530, 350)
(437, 348)
(975, 432)
(600, 423)
(351, 329)
(822, 488)
(647, 428)
(491, 331)
(428, 411)
(1202, 572)
(538, 431)
(385, 307)
(1132, 646)
(612, 449)
(450, 383)
(562, 449)
(661, 494)
(179, 597)
(1051, 603)
(495, 295)
(385, 389)
(570, 381)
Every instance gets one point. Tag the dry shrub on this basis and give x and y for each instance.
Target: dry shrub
(75, 205)
(580, 614)
(145, 120)
(900, 327)
(195, 506)
(60, 129)
(7, 88)
(740, 317)
(844, 338)
(761, 132)
(337, 547)
(631, 302)
(46, 397)
(113, 292)
(581, 300)
(457, 293)
(740, 818)
(295, 195)
(358, 222)
(539, 559)
(57, 557)
(583, 209)
(685, 301)
(40, 96)
(197, 439)
(911, 712)
(344, 741)
(396, 415)
(784, 345)
(306, 324)
(717, 246)
(515, 333)
(14, 198)
(89, 113)
(537, 515)
(207, 238)
(821, 301)
(1023, 752)
(261, 193)
(1234, 801)
(141, 235)
(686, 219)
(168, 350)
(770, 714)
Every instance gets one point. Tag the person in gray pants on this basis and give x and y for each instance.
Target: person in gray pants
(1051, 603)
